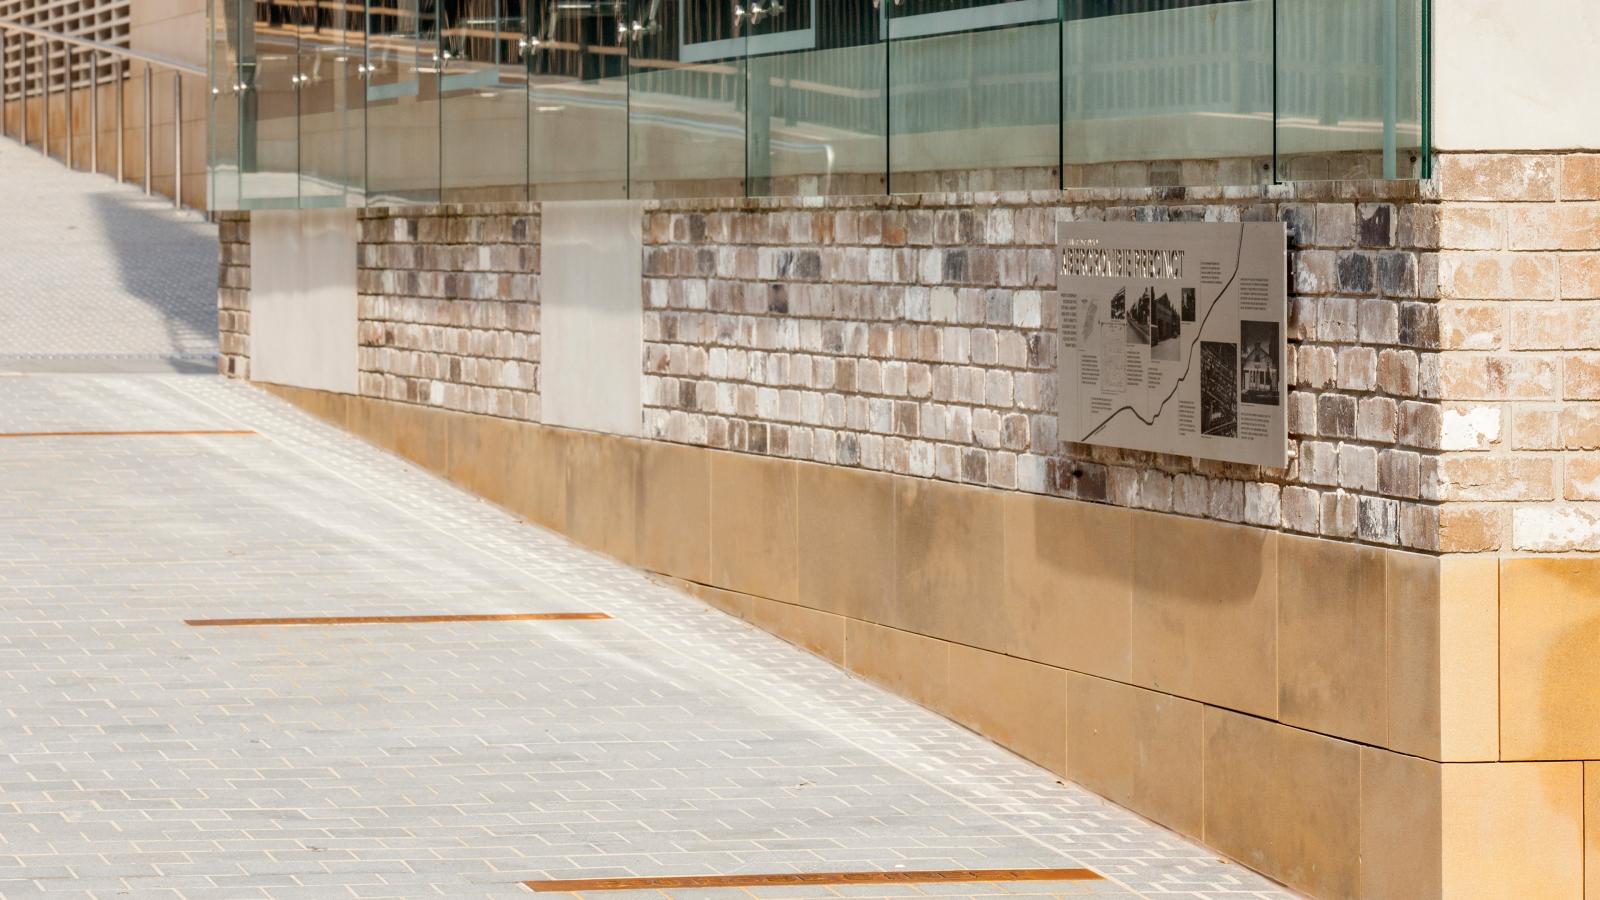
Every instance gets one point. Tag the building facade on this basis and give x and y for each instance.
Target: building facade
(764, 299)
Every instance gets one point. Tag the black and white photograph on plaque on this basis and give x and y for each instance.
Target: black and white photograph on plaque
(1164, 330)
(1219, 389)
(1119, 302)
(1258, 364)
(1188, 304)
(1139, 318)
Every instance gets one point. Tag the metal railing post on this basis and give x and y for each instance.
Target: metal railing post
(44, 115)
(177, 140)
(66, 51)
(24, 90)
(147, 120)
(94, 111)
(38, 78)
(122, 89)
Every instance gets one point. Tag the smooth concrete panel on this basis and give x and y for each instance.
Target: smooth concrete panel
(1069, 584)
(1284, 801)
(949, 550)
(819, 632)
(1591, 829)
(329, 407)
(1138, 748)
(754, 540)
(847, 541)
(1513, 830)
(1401, 855)
(1018, 704)
(675, 510)
(1550, 658)
(1331, 638)
(909, 664)
(602, 494)
(1413, 664)
(1515, 76)
(303, 298)
(1469, 659)
(1205, 611)
(591, 309)
(420, 434)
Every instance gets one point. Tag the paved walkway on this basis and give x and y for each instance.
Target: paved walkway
(91, 267)
(141, 756)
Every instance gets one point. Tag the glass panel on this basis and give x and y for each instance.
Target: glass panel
(222, 167)
(577, 100)
(1349, 89)
(1167, 92)
(269, 122)
(686, 114)
(402, 101)
(484, 82)
(974, 95)
(332, 106)
(817, 113)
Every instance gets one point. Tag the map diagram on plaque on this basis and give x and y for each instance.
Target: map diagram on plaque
(1172, 338)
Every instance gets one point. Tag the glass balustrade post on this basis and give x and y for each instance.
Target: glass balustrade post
(44, 115)
(1389, 40)
(66, 55)
(94, 111)
(148, 118)
(177, 140)
(120, 79)
(24, 94)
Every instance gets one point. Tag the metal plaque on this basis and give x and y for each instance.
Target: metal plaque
(1174, 338)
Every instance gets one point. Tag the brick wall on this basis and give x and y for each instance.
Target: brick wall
(1520, 282)
(449, 307)
(916, 335)
(233, 294)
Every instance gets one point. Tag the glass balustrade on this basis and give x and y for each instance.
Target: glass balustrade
(346, 103)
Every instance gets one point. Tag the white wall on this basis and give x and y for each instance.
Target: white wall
(303, 298)
(1516, 74)
(591, 316)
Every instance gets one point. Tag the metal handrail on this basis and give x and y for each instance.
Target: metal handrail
(69, 43)
(155, 59)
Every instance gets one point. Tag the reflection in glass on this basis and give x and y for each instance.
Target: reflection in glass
(1349, 89)
(269, 121)
(402, 101)
(817, 111)
(973, 109)
(332, 105)
(332, 102)
(686, 121)
(577, 100)
(224, 23)
(483, 88)
(1160, 92)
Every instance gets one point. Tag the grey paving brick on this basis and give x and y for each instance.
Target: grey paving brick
(141, 757)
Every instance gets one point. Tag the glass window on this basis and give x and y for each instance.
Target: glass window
(1349, 89)
(402, 101)
(686, 103)
(269, 109)
(222, 166)
(817, 100)
(332, 105)
(1167, 92)
(483, 85)
(578, 100)
(974, 95)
